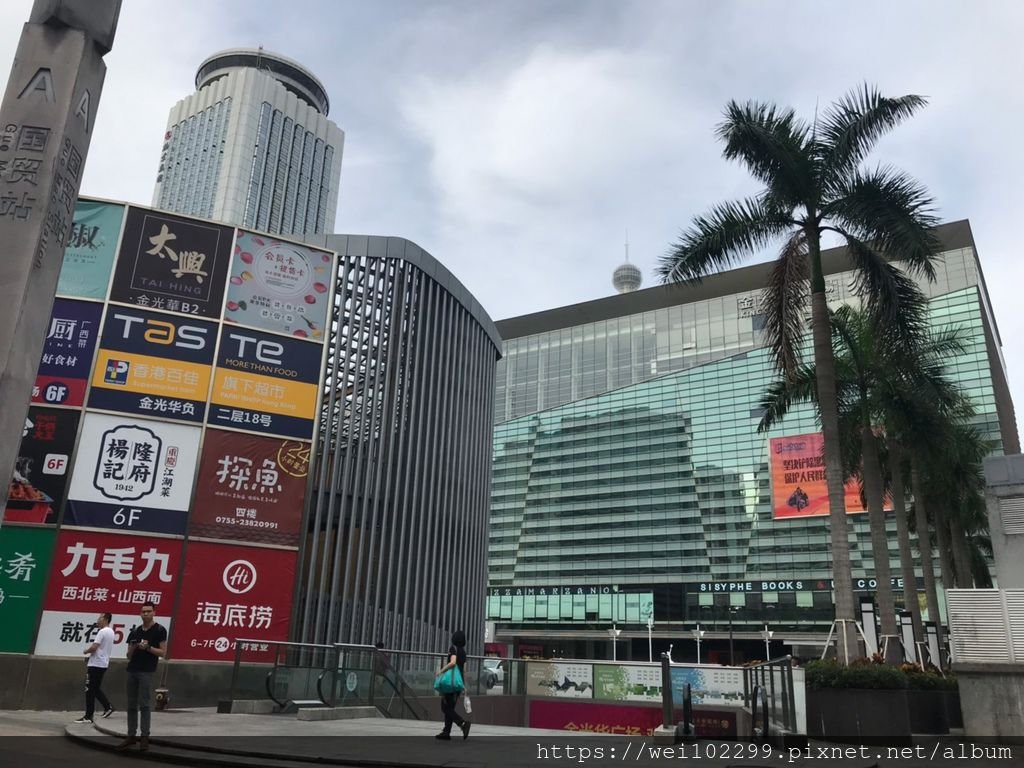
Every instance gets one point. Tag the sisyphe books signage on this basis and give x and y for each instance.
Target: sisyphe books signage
(172, 263)
(153, 364)
(67, 353)
(133, 476)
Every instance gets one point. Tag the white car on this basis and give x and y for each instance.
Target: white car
(493, 672)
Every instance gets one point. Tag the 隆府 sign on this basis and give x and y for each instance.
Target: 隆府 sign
(67, 353)
(172, 263)
(105, 572)
(231, 592)
(250, 488)
(132, 475)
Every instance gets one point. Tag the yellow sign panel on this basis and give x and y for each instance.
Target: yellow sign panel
(264, 393)
(155, 376)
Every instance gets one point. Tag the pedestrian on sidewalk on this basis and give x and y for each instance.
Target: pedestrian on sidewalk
(456, 659)
(96, 667)
(147, 643)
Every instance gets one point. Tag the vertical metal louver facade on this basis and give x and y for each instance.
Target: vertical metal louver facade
(396, 547)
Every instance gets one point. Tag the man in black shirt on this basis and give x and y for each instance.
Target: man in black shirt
(146, 644)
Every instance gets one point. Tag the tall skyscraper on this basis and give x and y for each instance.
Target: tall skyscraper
(253, 146)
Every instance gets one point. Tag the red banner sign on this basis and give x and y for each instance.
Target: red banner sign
(232, 592)
(251, 488)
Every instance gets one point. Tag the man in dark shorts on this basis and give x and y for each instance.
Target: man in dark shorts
(147, 643)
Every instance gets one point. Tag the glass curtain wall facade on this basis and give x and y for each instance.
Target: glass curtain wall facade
(627, 458)
(397, 544)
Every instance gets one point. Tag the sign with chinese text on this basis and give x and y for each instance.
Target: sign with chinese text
(250, 488)
(153, 364)
(90, 250)
(133, 476)
(265, 383)
(625, 682)
(172, 263)
(25, 555)
(40, 479)
(67, 353)
(99, 572)
(560, 679)
(594, 717)
(798, 478)
(230, 592)
(279, 286)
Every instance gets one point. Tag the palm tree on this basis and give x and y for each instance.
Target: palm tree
(814, 184)
(871, 374)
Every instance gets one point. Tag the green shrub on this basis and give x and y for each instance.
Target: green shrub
(830, 674)
(930, 681)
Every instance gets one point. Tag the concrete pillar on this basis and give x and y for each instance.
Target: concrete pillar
(46, 123)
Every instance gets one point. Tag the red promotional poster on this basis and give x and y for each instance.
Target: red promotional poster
(229, 593)
(250, 488)
(95, 573)
(586, 717)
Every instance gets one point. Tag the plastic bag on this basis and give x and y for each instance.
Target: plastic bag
(467, 705)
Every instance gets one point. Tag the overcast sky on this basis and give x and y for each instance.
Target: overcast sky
(518, 141)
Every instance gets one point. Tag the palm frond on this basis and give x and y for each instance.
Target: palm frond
(721, 238)
(895, 303)
(851, 126)
(778, 398)
(772, 144)
(892, 212)
(785, 299)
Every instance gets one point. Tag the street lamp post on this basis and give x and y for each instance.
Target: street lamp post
(698, 633)
(650, 647)
(767, 648)
(614, 633)
(732, 652)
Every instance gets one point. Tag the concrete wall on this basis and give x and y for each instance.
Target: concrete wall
(992, 701)
(46, 683)
(1004, 484)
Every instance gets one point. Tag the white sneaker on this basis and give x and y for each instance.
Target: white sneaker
(84, 720)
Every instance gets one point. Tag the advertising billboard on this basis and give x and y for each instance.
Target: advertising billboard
(89, 254)
(560, 679)
(25, 555)
(153, 364)
(625, 682)
(279, 286)
(132, 475)
(265, 383)
(250, 488)
(40, 479)
(67, 353)
(231, 592)
(97, 572)
(172, 263)
(798, 478)
(592, 717)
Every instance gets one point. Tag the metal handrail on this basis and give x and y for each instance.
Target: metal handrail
(759, 679)
(759, 735)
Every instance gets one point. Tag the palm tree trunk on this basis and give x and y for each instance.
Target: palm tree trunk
(942, 544)
(879, 543)
(924, 544)
(961, 556)
(899, 507)
(842, 577)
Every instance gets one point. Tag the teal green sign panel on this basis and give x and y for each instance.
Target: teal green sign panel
(89, 255)
(25, 555)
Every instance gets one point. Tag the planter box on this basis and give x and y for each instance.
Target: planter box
(927, 711)
(954, 716)
(859, 716)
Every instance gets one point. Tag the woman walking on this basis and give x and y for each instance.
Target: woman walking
(456, 661)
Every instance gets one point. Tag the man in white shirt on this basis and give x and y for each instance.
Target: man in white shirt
(99, 659)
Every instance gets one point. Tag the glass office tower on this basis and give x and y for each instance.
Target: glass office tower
(630, 480)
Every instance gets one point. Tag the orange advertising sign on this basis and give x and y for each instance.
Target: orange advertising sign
(798, 478)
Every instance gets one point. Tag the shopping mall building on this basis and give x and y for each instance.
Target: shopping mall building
(630, 480)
